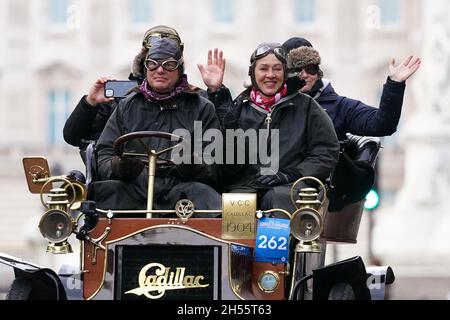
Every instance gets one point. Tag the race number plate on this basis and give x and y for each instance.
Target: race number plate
(272, 240)
(238, 215)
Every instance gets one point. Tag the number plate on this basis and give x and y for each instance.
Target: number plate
(272, 240)
(238, 215)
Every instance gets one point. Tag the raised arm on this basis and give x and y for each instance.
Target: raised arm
(404, 70)
(214, 71)
(212, 76)
(362, 119)
(89, 116)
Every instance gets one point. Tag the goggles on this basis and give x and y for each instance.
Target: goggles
(153, 37)
(264, 50)
(311, 69)
(169, 65)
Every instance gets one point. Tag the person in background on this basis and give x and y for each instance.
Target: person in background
(350, 115)
(87, 120)
(308, 145)
(352, 178)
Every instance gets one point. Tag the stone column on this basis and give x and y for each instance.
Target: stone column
(416, 230)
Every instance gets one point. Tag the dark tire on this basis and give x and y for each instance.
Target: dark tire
(20, 289)
(341, 291)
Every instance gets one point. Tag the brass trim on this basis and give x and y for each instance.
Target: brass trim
(167, 226)
(294, 267)
(308, 247)
(278, 210)
(153, 211)
(306, 178)
(172, 226)
(229, 275)
(184, 209)
(276, 277)
(97, 243)
(62, 247)
(238, 216)
(82, 260)
(53, 179)
(151, 177)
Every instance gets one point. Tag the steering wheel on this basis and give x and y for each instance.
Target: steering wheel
(152, 155)
(139, 135)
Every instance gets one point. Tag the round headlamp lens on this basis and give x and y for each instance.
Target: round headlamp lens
(56, 225)
(306, 225)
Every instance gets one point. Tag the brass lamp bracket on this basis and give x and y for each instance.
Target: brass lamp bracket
(97, 243)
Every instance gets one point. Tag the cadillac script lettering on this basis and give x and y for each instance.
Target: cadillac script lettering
(154, 286)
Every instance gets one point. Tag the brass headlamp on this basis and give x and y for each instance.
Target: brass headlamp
(56, 224)
(307, 221)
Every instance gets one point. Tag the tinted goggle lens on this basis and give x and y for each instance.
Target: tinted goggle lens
(169, 65)
(311, 69)
(262, 51)
(154, 37)
(265, 50)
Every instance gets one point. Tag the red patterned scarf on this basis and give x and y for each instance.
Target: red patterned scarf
(267, 102)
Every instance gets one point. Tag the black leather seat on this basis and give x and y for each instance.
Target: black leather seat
(350, 182)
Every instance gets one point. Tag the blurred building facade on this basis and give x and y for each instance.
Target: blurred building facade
(51, 51)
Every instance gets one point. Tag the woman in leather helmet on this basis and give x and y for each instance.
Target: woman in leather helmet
(307, 142)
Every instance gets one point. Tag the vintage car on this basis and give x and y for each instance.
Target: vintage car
(239, 252)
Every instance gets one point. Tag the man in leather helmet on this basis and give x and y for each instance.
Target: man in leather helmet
(164, 102)
(89, 117)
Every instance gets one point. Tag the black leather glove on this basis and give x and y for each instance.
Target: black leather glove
(273, 180)
(187, 170)
(126, 168)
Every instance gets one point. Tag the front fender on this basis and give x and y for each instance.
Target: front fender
(45, 283)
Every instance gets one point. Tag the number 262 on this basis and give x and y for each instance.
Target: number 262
(280, 244)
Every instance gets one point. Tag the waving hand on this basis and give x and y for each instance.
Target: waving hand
(404, 70)
(212, 74)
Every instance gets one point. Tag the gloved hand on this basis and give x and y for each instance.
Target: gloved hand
(190, 170)
(273, 180)
(126, 168)
(187, 170)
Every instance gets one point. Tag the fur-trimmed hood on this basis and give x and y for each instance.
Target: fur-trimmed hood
(137, 68)
(302, 56)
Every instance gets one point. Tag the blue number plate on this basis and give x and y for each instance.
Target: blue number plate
(272, 240)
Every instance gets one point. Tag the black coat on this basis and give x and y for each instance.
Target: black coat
(355, 117)
(135, 113)
(308, 145)
(86, 122)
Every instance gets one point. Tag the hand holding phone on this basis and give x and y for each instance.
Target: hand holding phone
(119, 88)
(96, 93)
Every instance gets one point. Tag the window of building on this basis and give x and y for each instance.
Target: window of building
(305, 11)
(140, 11)
(57, 11)
(223, 11)
(58, 104)
(389, 12)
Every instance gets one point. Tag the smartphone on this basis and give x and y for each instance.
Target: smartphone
(119, 88)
